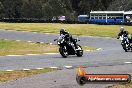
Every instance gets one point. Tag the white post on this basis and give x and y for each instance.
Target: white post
(90, 16)
(123, 17)
(106, 17)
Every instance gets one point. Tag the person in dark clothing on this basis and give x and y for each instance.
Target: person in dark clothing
(121, 32)
(68, 37)
(125, 34)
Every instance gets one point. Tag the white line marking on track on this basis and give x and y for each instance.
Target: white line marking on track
(39, 68)
(93, 50)
(26, 69)
(54, 67)
(88, 50)
(127, 62)
(50, 43)
(9, 70)
(68, 66)
(29, 41)
(99, 49)
(14, 55)
(32, 54)
(108, 37)
(50, 53)
(46, 33)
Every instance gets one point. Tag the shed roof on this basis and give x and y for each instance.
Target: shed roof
(116, 12)
(128, 12)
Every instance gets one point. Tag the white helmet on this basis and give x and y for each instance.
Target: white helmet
(122, 29)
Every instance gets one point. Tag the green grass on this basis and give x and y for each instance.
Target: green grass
(14, 75)
(10, 47)
(89, 48)
(76, 29)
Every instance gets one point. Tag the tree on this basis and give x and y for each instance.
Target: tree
(32, 9)
(120, 5)
(12, 8)
(54, 8)
(1, 10)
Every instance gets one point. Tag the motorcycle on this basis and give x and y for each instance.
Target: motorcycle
(68, 48)
(126, 43)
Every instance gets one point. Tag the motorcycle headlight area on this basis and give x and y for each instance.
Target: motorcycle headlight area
(61, 40)
(58, 43)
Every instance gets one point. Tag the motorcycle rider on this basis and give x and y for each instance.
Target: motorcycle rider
(121, 32)
(68, 37)
(124, 33)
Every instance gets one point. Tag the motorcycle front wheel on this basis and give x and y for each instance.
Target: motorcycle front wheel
(80, 51)
(63, 51)
(124, 47)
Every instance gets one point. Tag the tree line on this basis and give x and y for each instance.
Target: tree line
(47, 9)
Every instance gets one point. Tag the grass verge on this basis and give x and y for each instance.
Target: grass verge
(76, 29)
(14, 75)
(11, 47)
(88, 48)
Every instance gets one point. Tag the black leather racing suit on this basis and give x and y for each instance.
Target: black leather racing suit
(69, 37)
(120, 34)
(125, 33)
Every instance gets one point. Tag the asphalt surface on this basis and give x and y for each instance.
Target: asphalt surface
(111, 59)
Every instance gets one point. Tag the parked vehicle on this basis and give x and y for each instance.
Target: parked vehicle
(107, 17)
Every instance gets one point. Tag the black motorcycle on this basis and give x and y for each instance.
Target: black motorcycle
(67, 48)
(126, 43)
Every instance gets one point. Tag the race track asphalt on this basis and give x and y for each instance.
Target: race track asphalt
(110, 59)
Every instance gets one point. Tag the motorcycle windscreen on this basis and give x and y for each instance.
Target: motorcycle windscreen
(61, 38)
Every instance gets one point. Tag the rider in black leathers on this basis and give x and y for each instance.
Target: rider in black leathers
(122, 32)
(68, 37)
(125, 34)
